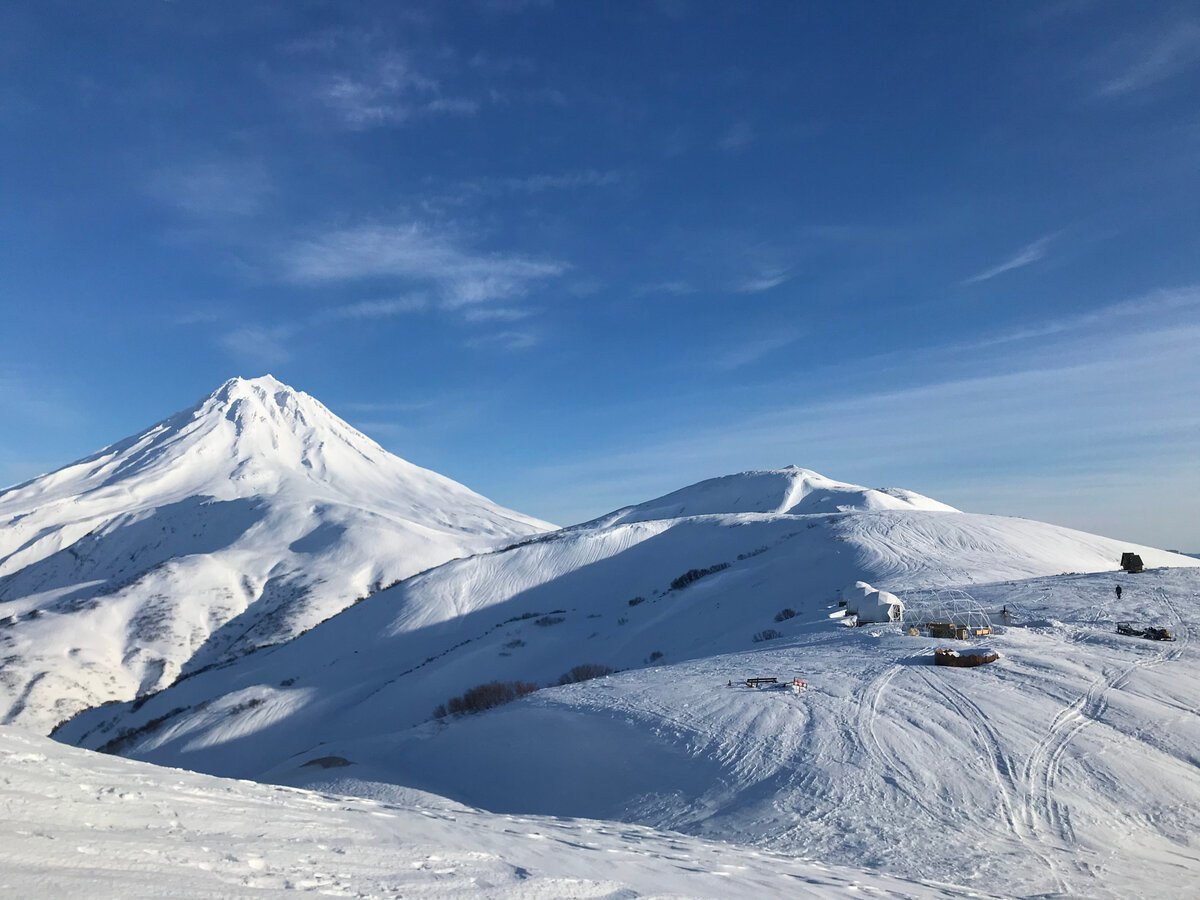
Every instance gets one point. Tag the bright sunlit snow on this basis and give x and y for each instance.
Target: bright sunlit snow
(232, 525)
(1039, 764)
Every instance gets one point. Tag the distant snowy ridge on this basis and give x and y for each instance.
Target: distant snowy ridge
(232, 525)
(791, 490)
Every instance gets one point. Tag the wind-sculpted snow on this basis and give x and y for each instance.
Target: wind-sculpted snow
(233, 525)
(73, 824)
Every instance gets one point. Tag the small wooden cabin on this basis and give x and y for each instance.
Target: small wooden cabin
(1131, 562)
(948, 630)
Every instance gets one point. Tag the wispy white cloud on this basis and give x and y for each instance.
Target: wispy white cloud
(414, 253)
(673, 288)
(1152, 305)
(1026, 256)
(364, 81)
(1066, 409)
(536, 184)
(475, 190)
(266, 346)
(212, 189)
(752, 351)
(374, 309)
(1145, 61)
(737, 136)
(386, 89)
(496, 313)
(764, 280)
(505, 340)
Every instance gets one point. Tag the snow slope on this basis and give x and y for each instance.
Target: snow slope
(77, 824)
(543, 605)
(233, 525)
(790, 490)
(1068, 768)
(832, 774)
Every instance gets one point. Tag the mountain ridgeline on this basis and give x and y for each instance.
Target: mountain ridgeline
(233, 525)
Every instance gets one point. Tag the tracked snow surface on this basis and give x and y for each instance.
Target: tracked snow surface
(233, 525)
(75, 824)
(1067, 768)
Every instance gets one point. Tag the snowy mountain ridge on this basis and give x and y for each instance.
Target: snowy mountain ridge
(235, 524)
(791, 490)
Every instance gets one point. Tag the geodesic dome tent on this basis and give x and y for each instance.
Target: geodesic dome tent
(872, 606)
(950, 606)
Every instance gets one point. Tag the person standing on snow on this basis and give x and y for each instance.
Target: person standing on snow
(1118, 592)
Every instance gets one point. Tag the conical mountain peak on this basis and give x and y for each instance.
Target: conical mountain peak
(237, 523)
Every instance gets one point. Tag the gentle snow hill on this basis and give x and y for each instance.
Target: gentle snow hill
(792, 490)
(74, 824)
(1068, 768)
(235, 524)
(596, 594)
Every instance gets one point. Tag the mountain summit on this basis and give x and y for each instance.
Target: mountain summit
(789, 490)
(234, 524)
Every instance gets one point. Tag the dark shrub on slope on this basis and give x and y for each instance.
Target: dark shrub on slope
(585, 672)
(695, 575)
(485, 696)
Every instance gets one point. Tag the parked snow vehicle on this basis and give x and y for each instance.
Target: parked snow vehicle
(964, 659)
(1156, 633)
(1153, 632)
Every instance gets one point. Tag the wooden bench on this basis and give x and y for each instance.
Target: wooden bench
(756, 682)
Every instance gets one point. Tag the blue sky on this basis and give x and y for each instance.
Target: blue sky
(577, 255)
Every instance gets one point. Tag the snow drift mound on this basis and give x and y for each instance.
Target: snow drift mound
(790, 490)
(235, 524)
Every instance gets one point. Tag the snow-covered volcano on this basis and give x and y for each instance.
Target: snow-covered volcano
(235, 524)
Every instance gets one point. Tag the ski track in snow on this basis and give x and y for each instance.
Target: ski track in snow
(73, 823)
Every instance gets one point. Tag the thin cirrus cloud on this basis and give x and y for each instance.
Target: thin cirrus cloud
(505, 340)
(414, 253)
(212, 189)
(763, 281)
(752, 351)
(1148, 61)
(268, 345)
(368, 88)
(672, 288)
(1026, 256)
(445, 274)
(373, 309)
(1089, 386)
(496, 313)
(272, 344)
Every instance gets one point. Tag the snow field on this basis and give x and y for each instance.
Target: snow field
(74, 823)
